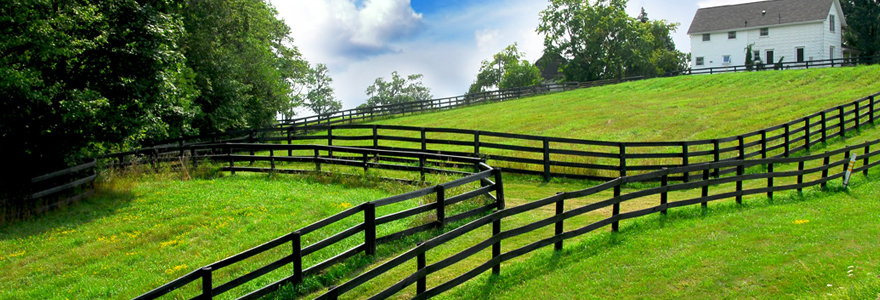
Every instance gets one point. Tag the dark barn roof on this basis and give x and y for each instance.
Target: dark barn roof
(749, 15)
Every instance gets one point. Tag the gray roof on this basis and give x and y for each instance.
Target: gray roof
(749, 15)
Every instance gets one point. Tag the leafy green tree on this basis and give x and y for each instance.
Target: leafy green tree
(244, 62)
(507, 69)
(80, 77)
(863, 26)
(601, 41)
(398, 90)
(320, 96)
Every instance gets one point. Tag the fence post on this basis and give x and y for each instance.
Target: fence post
(289, 141)
(807, 134)
(422, 167)
(330, 140)
(376, 137)
(477, 143)
(770, 181)
(441, 206)
(546, 159)
(180, 147)
(664, 182)
(841, 124)
(705, 192)
(871, 109)
(684, 159)
(421, 263)
(207, 284)
(496, 247)
(825, 171)
(763, 144)
(424, 144)
(846, 158)
(192, 155)
(716, 151)
(370, 228)
(366, 166)
(317, 160)
(272, 158)
(499, 188)
(740, 171)
(800, 177)
(865, 159)
(622, 159)
(296, 243)
(560, 208)
(616, 208)
(824, 128)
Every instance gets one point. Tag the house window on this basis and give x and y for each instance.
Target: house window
(756, 55)
(769, 56)
(731, 35)
(765, 31)
(726, 59)
(699, 61)
(831, 52)
(800, 54)
(831, 22)
(706, 37)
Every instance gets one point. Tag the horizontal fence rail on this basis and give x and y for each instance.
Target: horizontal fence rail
(592, 159)
(490, 180)
(830, 169)
(822, 63)
(42, 189)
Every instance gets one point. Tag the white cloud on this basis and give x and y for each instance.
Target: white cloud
(337, 32)
(487, 39)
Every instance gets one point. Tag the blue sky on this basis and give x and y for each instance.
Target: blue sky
(360, 40)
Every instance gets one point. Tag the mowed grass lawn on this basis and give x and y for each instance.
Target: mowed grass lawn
(140, 231)
(811, 246)
(665, 109)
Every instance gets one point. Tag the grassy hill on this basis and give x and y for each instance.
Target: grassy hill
(664, 109)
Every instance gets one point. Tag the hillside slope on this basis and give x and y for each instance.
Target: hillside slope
(663, 109)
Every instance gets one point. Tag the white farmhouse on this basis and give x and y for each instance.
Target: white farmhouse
(798, 30)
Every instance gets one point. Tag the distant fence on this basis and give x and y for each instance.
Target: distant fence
(490, 181)
(822, 63)
(368, 113)
(50, 191)
(590, 159)
(705, 183)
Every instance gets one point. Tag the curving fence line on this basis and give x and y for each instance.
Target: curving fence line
(49, 191)
(588, 159)
(820, 173)
(490, 180)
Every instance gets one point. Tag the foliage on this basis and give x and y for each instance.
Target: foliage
(601, 41)
(863, 26)
(507, 69)
(320, 96)
(398, 90)
(79, 77)
(244, 62)
(750, 62)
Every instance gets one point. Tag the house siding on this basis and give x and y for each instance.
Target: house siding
(815, 37)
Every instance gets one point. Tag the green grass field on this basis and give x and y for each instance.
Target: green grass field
(141, 231)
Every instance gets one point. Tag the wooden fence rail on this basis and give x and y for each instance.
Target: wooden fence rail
(489, 178)
(587, 159)
(52, 184)
(705, 182)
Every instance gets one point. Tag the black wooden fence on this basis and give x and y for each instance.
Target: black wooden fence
(791, 65)
(828, 169)
(490, 180)
(51, 190)
(368, 113)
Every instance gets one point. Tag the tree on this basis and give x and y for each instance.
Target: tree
(507, 69)
(398, 90)
(81, 77)
(245, 64)
(320, 96)
(601, 41)
(863, 26)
